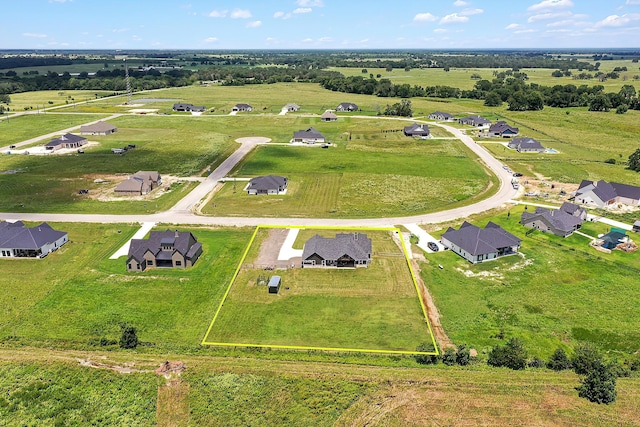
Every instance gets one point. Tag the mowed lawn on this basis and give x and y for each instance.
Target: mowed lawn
(558, 292)
(22, 128)
(51, 98)
(78, 294)
(374, 308)
(368, 172)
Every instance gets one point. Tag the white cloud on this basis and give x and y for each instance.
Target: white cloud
(460, 3)
(241, 14)
(550, 4)
(281, 15)
(210, 40)
(302, 10)
(512, 26)
(618, 21)
(218, 13)
(525, 31)
(440, 30)
(454, 18)
(470, 12)
(325, 39)
(254, 24)
(633, 2)
(307, 40)
(310, 3)
(425, 17)
(547, 16)
(35, 35)
(60, 1)
(136, 38)
(119, 30)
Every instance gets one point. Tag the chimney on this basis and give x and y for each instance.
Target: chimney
(176, 235)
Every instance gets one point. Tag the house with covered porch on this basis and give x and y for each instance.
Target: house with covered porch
(346, 250)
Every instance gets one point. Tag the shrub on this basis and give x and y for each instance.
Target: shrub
(559, 360)
(610, 161)
(599, 385)
(622, 108)
(585, 359)
(129, 337)
(463, 356)
(425, 359)
(512, 355)
(536, 362)
(449, 357)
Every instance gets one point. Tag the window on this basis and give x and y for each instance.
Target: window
(149, 262)
(178, 263)
(130, 266)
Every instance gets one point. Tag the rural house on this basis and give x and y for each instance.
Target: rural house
(476, 121)
(166, 249)
(555, 221)
(575, 210)
(67, 140)
(309, 136)
(99, 128)
(602, 194)
(291, 108)
(140, 183)
(346, 107)
(476, 244)
(18, 241)
(328, 116)
(189, 108)
(503, 130)
(344, 250)
(526, 145)
(612, 239)
(270, 184)
(443, 117)
(242, 107)
(417, 130)
(636, 227)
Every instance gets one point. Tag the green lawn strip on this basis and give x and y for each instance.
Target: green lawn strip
(374, 308)
(22, 128)
(91, 295)
(560, 293)
(50, 98)
(71, 395)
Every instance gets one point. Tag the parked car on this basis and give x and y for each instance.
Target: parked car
(12, 146)
(433, 246)
(83, 191)
(517, 174)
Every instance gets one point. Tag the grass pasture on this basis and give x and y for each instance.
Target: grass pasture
(52, 98)
(559, 292)
(374, 309)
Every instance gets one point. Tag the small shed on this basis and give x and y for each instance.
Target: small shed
(274, 284)
(636, 226)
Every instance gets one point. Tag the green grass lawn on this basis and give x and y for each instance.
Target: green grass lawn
(559, 292)
(25, 127)
(374, 308)
(51, 98)
(78, 294)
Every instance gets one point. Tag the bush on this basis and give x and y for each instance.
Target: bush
(536, 362)
(622, 108)
(599, 385)
(559, 360)
(449, 357)
(512, 355)
(463, 356)
(426, 359)
(129, 337)
(585, 359)
(610, 161)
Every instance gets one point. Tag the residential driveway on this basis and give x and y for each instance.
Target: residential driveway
(423, 237)
(124, 250)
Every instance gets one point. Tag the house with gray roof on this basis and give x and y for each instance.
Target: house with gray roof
(440, 116)
(140, 183)
(476, 244)
(328, 116)
(291, 108)
(602, 194)
(308, 136)
(473, 120)
(575, 210)
(636, 227)
(526, 145)
(189, 108)
(68, 140)
(502, 130)
(270, 184)
(347, 107)
(242, 107)
(164, 249)
(554, 221)
(99, 128)
(346, 250)
(415, 129)
(18, 241)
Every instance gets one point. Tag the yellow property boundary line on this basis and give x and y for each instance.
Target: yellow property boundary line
(307, 348)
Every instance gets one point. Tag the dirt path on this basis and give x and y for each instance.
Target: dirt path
(270, 248)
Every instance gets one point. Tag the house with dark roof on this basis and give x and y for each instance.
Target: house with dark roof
(242, 107)
(477, 245)
(189, 108)
(291, 108)
(612, 239)
(99, 128)
(328, 116)
(440, 116)
(554, 221)
(502, 130)
(346, 107)
(636, 227)
(575, 210)
(141, 182)
(602, 194)
(270, 184)
(526, 145)
(164, 249)
(476, 121)
(415, 129)
(68, 140)
(308, 136)
(18, 241)
(348, 250)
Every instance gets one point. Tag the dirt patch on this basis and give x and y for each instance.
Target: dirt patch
(128, 368)
(105, 192)
(254, 139)
(167, 369)
(542, 188)
(270, 248)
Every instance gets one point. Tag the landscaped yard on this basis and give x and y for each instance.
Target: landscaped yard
(558, 292)
(21, 128)
(374, 308)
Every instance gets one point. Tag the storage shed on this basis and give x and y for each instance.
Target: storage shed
(274, 284)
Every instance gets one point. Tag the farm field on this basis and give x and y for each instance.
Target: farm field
(558, 292)
(375, 308)
(367, 174)
(18, 129)
(78, 294)
(52, 98)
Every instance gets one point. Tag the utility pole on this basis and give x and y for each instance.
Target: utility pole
(126, 75)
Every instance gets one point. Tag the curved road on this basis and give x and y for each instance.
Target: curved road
(182, 212)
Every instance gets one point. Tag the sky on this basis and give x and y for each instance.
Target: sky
(319, 24)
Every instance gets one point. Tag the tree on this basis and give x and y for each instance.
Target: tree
(622, 108)
(493, 99)
(402, 108)
(5, 99)
(634, 161)
(512, 355)
(425, 359)
(449, 357)
(628, 92)
(585, 359)
(364, 71)
(463, 356)
(599, 385)
(600, 102)
(559, 360)
(129, 337)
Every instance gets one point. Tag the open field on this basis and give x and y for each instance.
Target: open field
(29, 126)
(78, 294)
(375, 308)
(367, 174)
(51, 98)
(559, 292)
